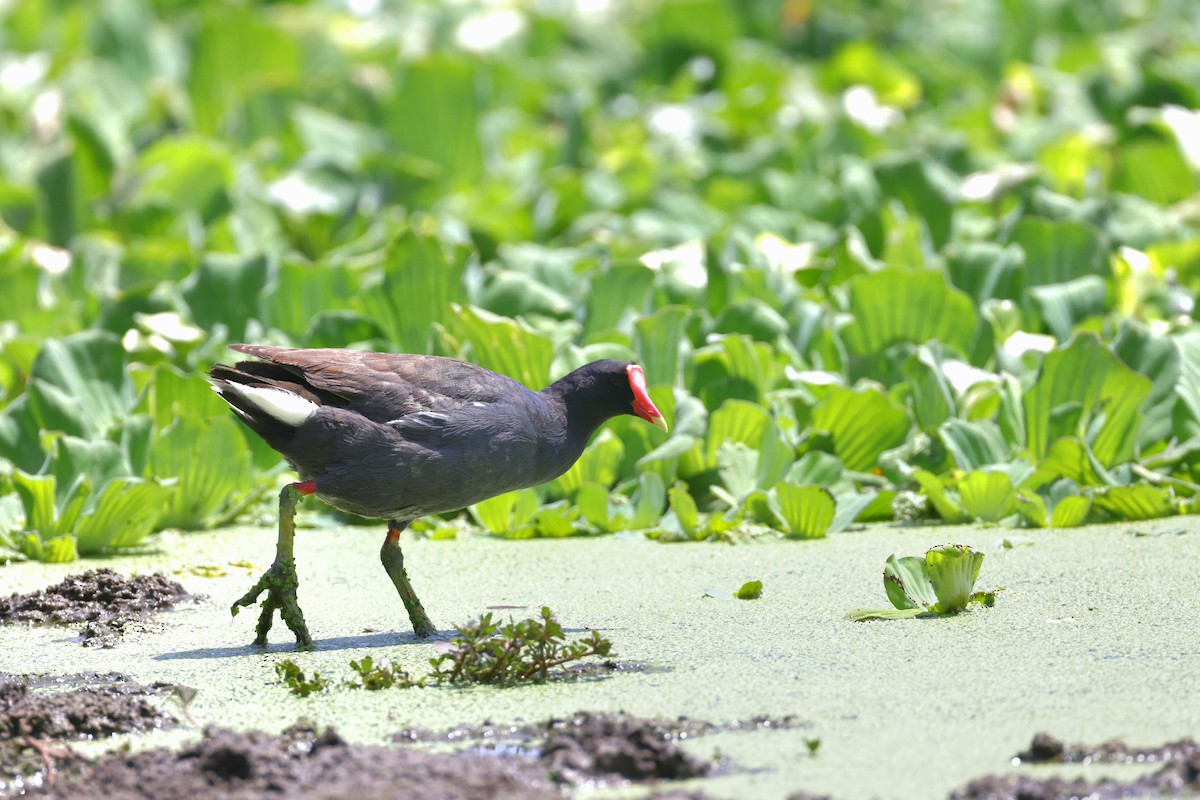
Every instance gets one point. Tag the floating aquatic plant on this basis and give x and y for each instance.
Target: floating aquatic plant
(940, 584)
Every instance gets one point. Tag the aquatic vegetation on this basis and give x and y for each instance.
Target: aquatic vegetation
(939, 584)
(483, 651)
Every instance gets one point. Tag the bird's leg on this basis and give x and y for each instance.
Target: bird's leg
(393, 562)
(280, 581)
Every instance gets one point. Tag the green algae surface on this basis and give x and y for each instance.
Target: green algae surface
(1093, 637)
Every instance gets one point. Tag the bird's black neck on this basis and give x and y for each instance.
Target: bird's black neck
(585, 402)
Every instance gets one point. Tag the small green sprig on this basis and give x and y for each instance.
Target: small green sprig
(484, 651)
(520, 652)
(373, 677)
(291, 676)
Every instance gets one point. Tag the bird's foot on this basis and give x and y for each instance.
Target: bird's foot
(280, 583)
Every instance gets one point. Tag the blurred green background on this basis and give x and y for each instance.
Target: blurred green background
(879, 259)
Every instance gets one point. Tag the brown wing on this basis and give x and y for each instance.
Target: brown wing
(384, 387)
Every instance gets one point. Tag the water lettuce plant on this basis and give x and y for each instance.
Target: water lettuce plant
(939, 584)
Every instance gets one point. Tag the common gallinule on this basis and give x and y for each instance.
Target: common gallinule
(396, 437)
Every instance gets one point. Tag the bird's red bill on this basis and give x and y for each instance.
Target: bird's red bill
(643, 406)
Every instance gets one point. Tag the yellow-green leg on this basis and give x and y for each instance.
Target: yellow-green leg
(280, 581)
(393, 562)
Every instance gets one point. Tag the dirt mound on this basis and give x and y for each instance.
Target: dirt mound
(35, 723)
(1180, 773)
(87, 713)
(606, 745)
(106, 602)
(300, 763)
(1046, 749)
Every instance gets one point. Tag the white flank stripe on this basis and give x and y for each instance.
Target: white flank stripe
(288, 408)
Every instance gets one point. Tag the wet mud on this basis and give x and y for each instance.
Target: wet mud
(301, 763)
(531, 733)
(105, 603)
(36, 724)
(1179, 773)
(601, 747)
(38, 717)
(607, 746)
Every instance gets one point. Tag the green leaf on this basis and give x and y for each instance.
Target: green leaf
(20, 436)
(816, 468)
(298, 292)
(986, 270)
(735, 368)
(512, 294)
(751, 590)
(419, 265)
(974, 444)
(735, 421)
(987, 496)
(1064, 305)
(1153, 168)
(862, 424)
(849, 506)
(615, 291)
(123, 513)
(916, 183)
(182, 174)
(599, 464)
(1033, 508)
(1159, 358)
(592, 499)
(897, 305)
(1071, 458)
(236, 52)
(952, 570)
(907, 584)
(1071, 512)
(556, 520)
(505, 513)
(79, 384)
(935, 489)
(806, 511)
(737, 464)
(685, 509)
(204, 483)
(56, 550)
(37, 493)
(661, 342)
(502, 345)
(932, 398)
(1084, 390)
(171, 393)
(1135, 503)
(649, 501)
(434, 115)
(1060, 251)
(224, 290)
(868, 614)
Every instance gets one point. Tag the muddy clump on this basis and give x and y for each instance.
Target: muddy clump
(599, 746)
(1179, 773)
(302, 762)
(106, 603)
(35, 724)
(88, 713)
(531, 734)
(1045, 749)
(592, 746)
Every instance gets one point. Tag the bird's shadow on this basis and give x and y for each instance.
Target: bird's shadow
(334, 643)
(360, 642)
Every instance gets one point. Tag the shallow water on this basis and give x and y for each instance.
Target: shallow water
(1093, 637)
